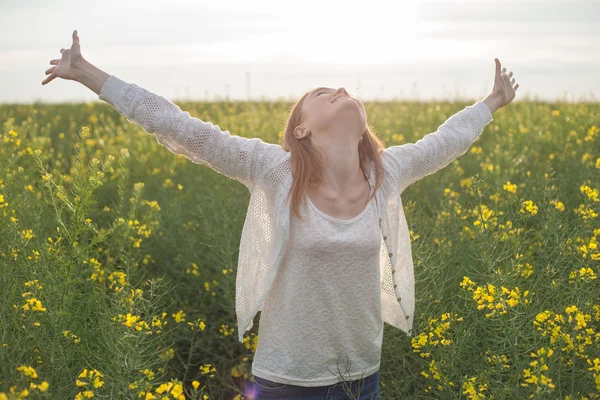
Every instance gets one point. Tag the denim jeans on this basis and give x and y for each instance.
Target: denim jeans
(360, 389)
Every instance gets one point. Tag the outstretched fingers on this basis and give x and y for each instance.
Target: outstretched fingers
(506, 78)
(49, 78)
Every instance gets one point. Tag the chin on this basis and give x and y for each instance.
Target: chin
(349, 103)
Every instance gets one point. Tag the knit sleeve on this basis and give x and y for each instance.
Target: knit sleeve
(413, 161)
(236, 157)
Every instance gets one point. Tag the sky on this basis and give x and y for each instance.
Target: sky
(272, 50)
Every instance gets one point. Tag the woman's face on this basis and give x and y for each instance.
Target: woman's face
(328, 109)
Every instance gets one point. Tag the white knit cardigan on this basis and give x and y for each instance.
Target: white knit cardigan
(265, 169)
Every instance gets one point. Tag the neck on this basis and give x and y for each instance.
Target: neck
(342, 172)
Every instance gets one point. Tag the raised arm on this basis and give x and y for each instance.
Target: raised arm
(434, 151)
(454, 137)
(236, 157)
(239, 158)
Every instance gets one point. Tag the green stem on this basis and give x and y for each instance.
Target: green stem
(187, 364)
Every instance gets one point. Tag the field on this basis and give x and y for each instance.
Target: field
(118, 258)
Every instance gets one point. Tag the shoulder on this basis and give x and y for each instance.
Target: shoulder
(276, 164)
(388, 163)
(274, 152)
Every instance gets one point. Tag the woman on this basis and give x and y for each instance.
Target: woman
(324, 211)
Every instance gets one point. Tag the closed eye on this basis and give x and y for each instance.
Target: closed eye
(320, 92)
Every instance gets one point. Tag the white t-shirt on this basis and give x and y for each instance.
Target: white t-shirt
(321, 322)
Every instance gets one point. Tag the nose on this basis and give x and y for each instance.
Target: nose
(340, 92)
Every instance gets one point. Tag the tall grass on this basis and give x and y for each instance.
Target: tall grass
(118, 258)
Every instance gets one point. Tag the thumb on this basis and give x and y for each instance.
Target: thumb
(497, 66)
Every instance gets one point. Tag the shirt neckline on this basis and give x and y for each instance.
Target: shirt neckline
(338, 220)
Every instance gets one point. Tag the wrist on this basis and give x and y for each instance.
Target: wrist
(91, 76)
(493, 101)
(82, 70)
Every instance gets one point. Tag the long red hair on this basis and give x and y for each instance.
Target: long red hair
(307, 166)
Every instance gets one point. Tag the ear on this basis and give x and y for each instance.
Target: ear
(300, 132)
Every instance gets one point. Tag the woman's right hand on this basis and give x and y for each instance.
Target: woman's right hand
(70, 62)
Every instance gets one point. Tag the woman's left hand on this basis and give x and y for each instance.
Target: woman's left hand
(504, 88)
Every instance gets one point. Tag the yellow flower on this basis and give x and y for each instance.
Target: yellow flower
(28, 371)
(510, 187)
(27, 234)
(130, 320)
(179, 316)
(98, 382)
